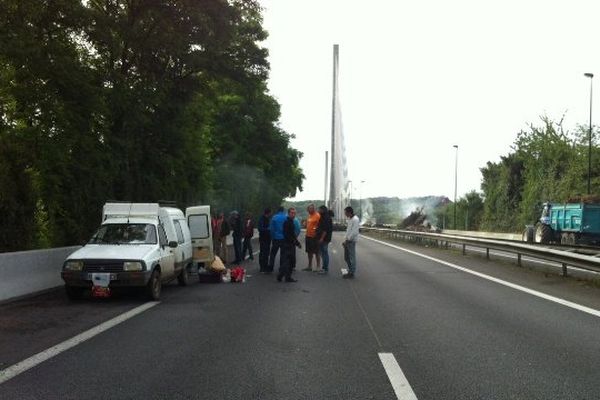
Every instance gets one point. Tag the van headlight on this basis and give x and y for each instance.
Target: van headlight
(132, 266)
(74, 265)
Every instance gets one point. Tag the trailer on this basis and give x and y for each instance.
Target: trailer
(569, 223)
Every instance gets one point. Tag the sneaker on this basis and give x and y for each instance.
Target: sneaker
(349, 275)
(279, 278)
(323, 272)
(307, 269)
(291, 280)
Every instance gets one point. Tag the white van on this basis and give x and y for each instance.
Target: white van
(198, 220)
(137, 245)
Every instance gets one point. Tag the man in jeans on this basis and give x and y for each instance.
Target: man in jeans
(352, 231)
(324, 236)
(288, 248)
(276, 228)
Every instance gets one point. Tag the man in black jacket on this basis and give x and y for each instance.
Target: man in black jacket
(288, 248)
(324, 230)
(264, 238)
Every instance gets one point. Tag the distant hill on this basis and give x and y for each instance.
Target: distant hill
(382, 210)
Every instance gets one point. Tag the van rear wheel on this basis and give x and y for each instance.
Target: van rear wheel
(184, 278)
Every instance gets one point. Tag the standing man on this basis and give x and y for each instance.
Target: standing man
(312, 242)
(236, 228)
(324, 231)
(352, 231)
(264, 238)
(224, 231)
(216, 231)
(288, 248)
(276, 228)
(248, 234)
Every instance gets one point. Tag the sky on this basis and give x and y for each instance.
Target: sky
(418, 77)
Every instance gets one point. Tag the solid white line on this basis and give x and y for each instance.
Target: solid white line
(39, 358)
(532, 292)
(396, 376)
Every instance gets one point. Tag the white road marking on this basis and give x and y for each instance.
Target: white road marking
(45, 355)
(396, 376)
(532, 292)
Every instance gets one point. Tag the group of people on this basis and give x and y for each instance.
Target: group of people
(242, 232)
(279, 233)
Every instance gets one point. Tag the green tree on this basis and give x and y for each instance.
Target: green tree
(133, 100)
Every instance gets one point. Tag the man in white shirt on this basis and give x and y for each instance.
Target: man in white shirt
(352, 231)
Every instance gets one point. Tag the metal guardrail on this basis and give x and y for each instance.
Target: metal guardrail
(565, 258)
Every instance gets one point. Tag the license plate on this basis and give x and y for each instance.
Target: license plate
(113, 277)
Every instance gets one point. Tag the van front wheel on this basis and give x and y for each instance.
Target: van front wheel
(154, 286)
(74, 292)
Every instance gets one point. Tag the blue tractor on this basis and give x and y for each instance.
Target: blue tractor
(568, 223)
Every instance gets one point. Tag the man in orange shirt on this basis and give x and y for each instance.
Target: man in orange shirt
(312, 241)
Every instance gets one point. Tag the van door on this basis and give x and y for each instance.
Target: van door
(167, 255)
(198, 220)
(184, 250)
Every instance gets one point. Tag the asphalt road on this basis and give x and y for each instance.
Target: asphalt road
(454, 335)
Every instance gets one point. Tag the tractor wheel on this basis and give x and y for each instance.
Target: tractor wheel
(543, 234)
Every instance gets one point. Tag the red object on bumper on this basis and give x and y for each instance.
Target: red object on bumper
(99, 291)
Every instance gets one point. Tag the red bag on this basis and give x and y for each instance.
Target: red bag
(237, 274)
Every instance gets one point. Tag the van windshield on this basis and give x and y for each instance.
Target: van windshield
(125, 234)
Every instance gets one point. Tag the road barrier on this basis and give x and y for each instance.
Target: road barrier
(27, 272)
(564, 257)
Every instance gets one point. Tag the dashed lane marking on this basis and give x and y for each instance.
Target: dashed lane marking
(532, 292)
(396, 376)
(45, 355)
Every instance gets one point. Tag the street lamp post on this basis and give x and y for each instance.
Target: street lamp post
(589, 186)
(350, 194)
(455, 180)
(360, 201)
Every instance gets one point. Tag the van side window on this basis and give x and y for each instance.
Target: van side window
(179, 232)
(198, 226)
(162, 235)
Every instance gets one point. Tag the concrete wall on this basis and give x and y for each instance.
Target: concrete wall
(27, 272)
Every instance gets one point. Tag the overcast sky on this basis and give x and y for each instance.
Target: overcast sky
(417, 77)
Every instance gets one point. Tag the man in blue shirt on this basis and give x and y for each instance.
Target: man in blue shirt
(276, 228)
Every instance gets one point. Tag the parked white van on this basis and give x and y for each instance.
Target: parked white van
(137, 245)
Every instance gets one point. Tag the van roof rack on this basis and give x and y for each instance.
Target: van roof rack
(167, 203)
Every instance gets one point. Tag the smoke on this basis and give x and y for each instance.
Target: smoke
(367, 216)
